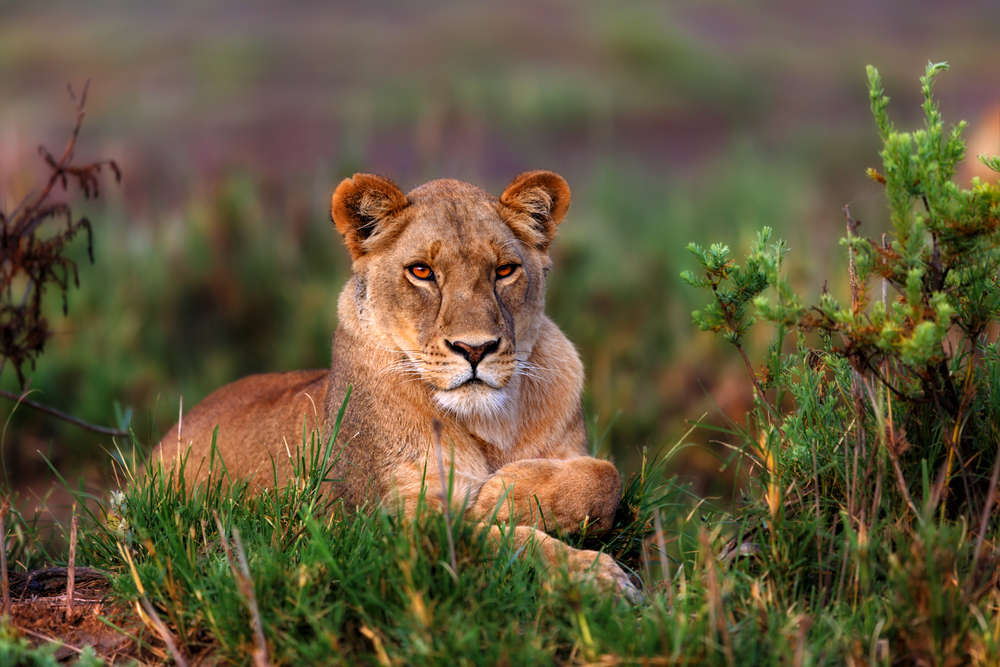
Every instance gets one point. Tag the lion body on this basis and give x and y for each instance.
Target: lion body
(468, 347)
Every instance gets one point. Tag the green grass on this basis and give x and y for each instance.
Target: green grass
(338, 587)
(334, 587)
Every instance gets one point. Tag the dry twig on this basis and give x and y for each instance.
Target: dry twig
(241, 572)
(664, 564)
(716, 611)
(4, 581)
(51, 640)
(165, 634)
(154, 618)
(21, 400)
(71, 578)
(985, 517)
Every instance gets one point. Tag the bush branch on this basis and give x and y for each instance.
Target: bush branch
(20, 399)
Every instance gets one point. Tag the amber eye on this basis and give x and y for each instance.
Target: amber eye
(505, 270)
(422, 271)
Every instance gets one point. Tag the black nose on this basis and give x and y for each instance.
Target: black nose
(473, 353)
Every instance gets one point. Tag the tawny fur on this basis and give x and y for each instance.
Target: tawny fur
(512, 426)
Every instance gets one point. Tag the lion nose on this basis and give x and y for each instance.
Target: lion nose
(473, 353)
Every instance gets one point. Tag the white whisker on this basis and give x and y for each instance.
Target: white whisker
(534, 371)
(402, 382)
(401, 369)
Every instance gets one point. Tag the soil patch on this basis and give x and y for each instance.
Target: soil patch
(38, 601)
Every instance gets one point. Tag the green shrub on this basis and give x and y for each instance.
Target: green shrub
(875, 435)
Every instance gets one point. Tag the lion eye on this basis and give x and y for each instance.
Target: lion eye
(505, 270)
(422, 272)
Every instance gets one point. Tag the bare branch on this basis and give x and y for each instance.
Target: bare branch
(19, 398)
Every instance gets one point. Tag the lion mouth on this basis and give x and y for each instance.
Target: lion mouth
(477, 383)
(474, 397)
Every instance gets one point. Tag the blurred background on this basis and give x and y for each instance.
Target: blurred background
(232, 122)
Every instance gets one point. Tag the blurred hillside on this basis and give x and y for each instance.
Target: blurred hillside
(693, 121)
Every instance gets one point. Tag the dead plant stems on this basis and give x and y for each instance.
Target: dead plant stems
(664, 563)
(241, 572)
(71, 575)
(52, 640)
(165, 634)
(4, 580)
(716, 611)
(985, 517)
(36, 261)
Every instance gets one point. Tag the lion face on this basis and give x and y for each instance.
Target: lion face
(452, 280)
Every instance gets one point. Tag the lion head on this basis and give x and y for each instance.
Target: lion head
(452, 279)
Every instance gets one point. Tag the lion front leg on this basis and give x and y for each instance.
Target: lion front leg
(557, 494)
(580, 563)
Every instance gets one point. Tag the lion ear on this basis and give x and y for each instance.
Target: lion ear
(541, 198)
(361, 208)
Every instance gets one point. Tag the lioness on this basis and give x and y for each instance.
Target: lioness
(442, 320)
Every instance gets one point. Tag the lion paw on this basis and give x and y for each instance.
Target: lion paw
(608, 574)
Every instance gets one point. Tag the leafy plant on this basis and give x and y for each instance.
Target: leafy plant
(876, 452)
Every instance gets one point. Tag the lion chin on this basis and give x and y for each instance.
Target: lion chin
(475, 399)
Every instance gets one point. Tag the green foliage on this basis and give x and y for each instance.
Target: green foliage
(922, 350)
(873, 455)
(991, 162)
(727, 314)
